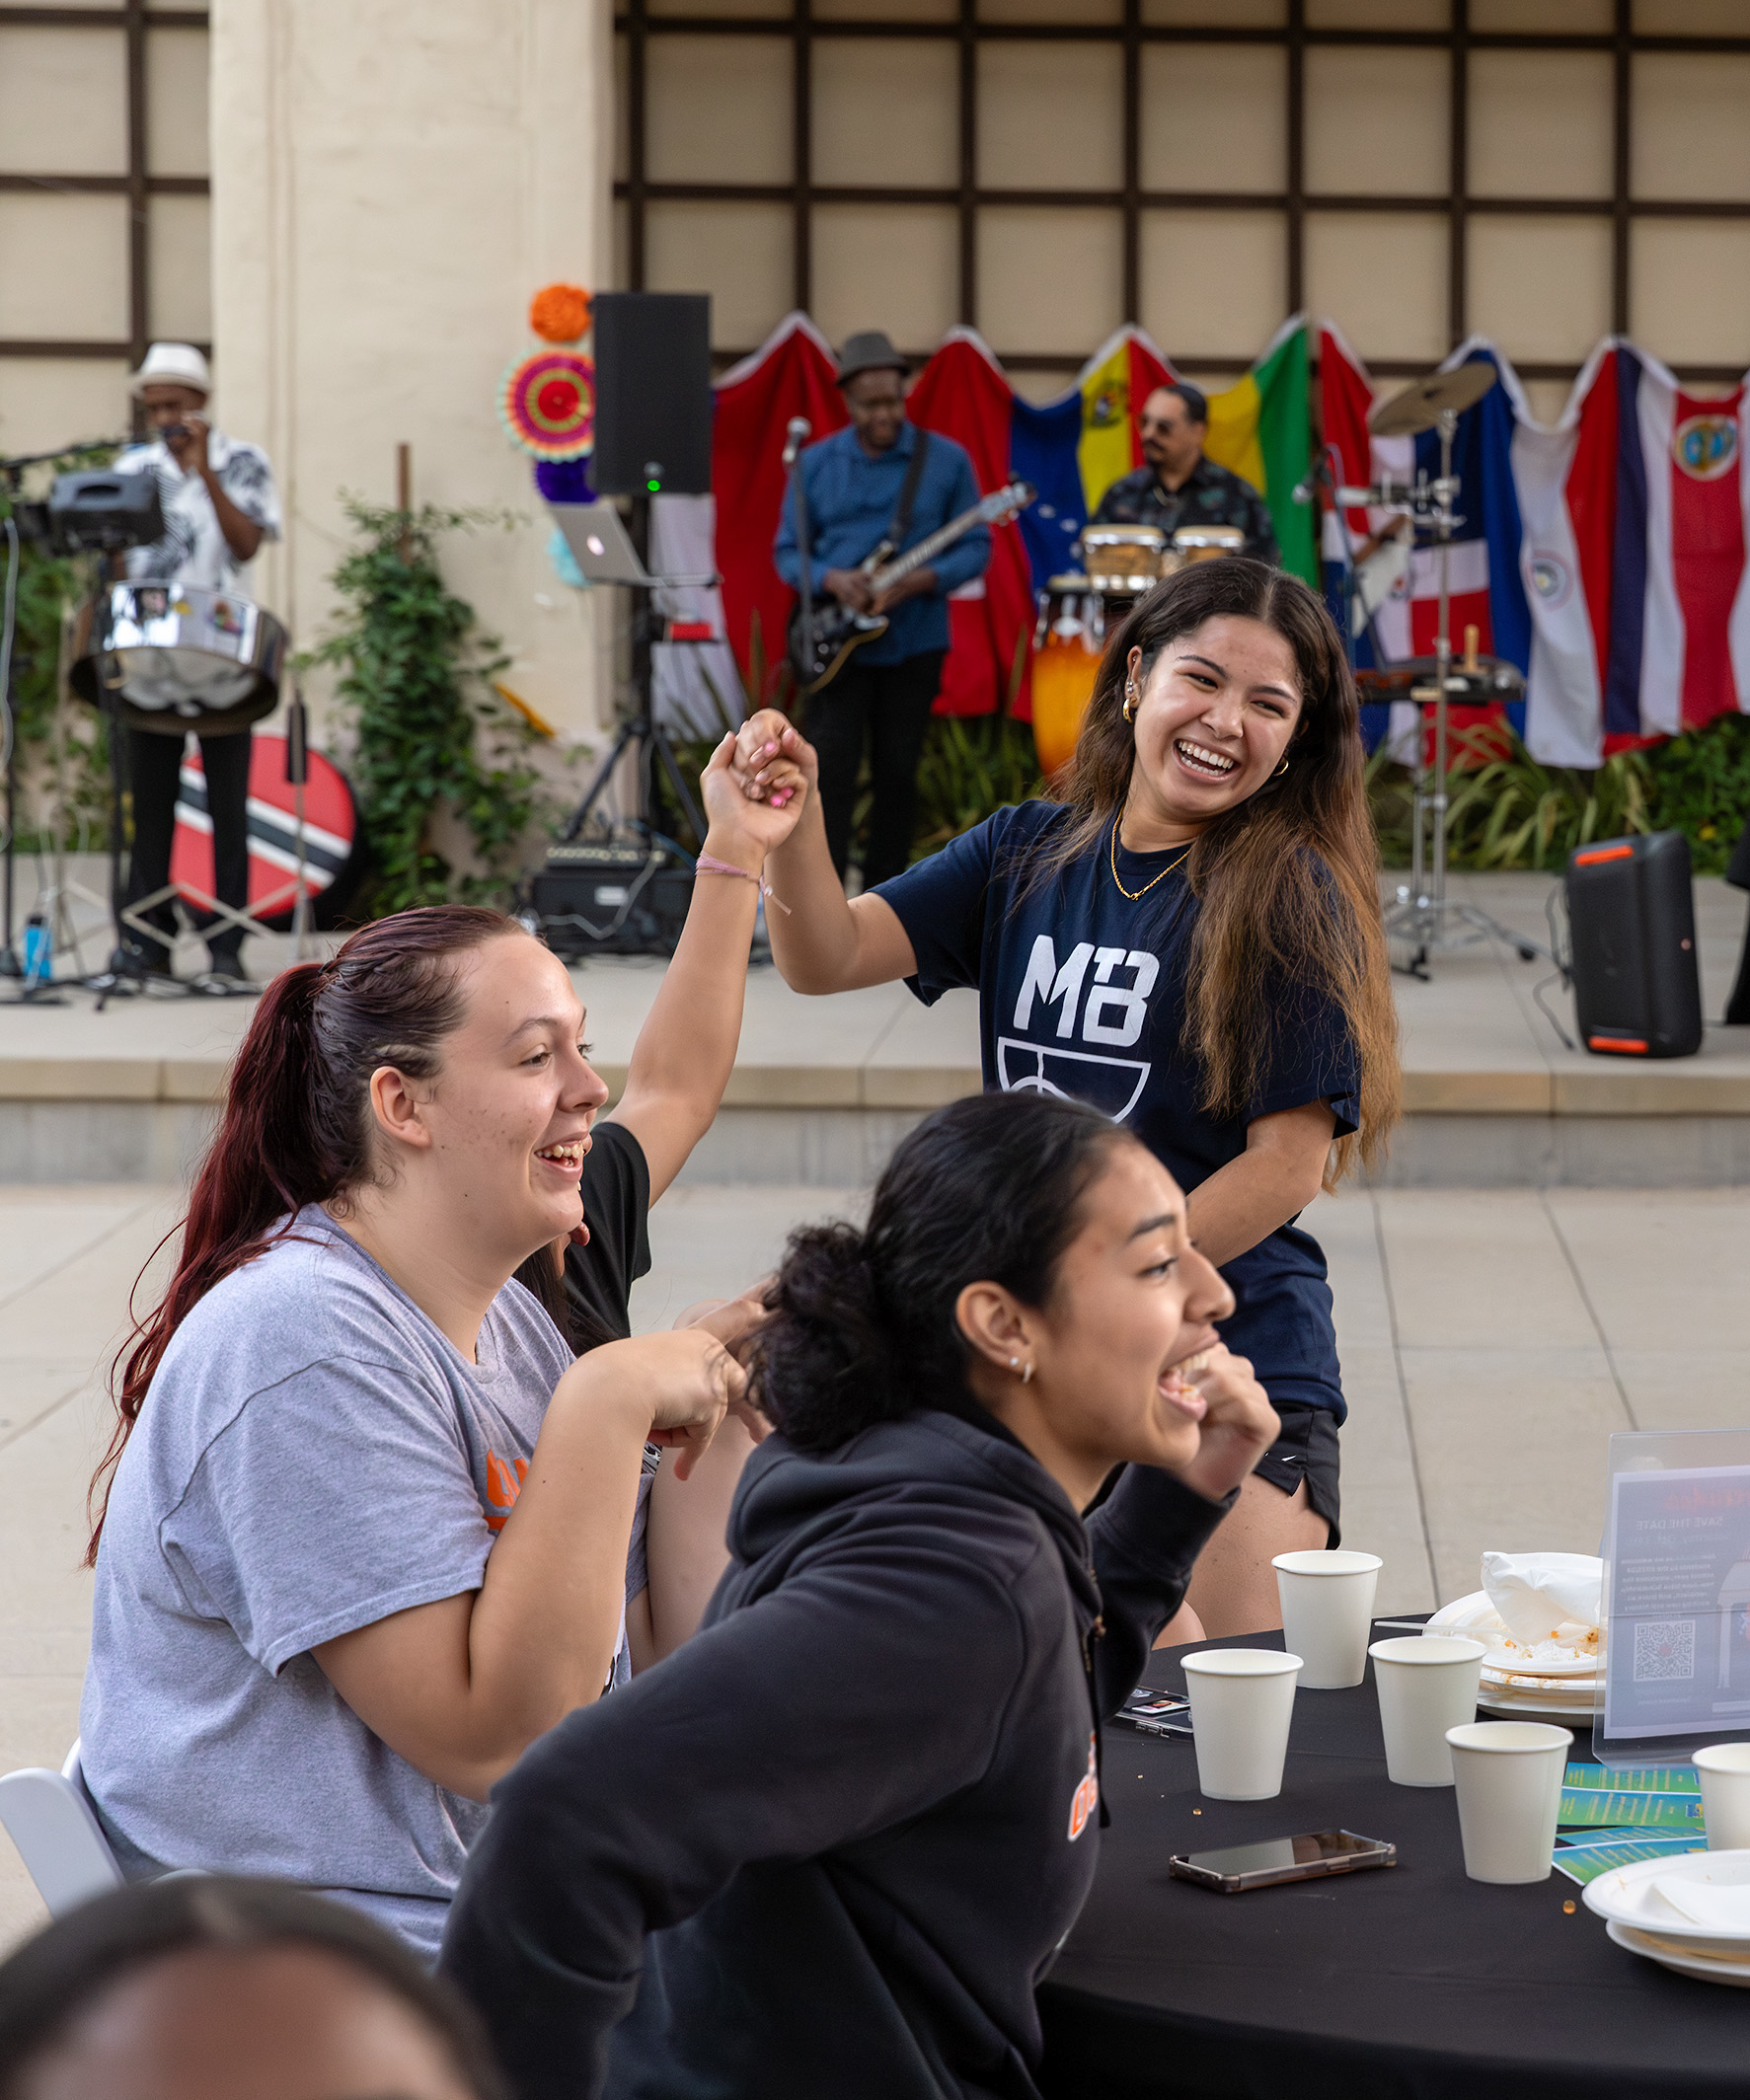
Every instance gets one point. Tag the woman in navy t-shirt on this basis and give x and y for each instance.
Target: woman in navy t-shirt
(1191, 941)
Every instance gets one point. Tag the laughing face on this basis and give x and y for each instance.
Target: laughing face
(1216, 716)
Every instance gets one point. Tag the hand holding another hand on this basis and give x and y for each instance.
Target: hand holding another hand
(770, 754)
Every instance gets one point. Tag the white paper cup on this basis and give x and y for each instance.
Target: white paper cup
(1328, 1612)
(1725, 1769)
(1427, 1684)
(1240, 1702)
(1509, 1777)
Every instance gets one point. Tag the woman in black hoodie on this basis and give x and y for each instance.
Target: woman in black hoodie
(831, 1844)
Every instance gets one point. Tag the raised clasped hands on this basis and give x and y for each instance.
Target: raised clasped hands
(773, 757)
(1240, 1426)
(745, 827)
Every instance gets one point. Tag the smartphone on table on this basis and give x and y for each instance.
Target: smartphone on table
(1236, 1867)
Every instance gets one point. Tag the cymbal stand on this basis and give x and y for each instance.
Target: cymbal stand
(1425, 917)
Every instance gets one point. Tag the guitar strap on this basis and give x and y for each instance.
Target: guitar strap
(899, 524)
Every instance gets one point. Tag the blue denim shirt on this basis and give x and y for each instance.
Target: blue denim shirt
(850, 498)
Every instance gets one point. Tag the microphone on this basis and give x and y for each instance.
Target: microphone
(1305, 489)
(796, 433)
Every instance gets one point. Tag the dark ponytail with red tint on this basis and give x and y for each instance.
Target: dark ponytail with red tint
(297, 1123)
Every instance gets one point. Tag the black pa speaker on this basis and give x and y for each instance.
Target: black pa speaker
(610, 900)
(1632, 919)
(652, 394)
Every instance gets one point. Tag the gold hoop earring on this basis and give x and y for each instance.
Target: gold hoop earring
(1280, 770)
(1129, 702)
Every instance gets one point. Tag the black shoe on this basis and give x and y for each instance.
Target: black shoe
(227, 981)
(128, 961)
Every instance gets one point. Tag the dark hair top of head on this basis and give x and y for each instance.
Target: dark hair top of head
(54, 1981)
(988, 1190)
(1197, 404)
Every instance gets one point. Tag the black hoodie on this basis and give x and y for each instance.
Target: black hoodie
(830, 1845)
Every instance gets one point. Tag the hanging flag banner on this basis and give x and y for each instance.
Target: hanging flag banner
(1261, 430)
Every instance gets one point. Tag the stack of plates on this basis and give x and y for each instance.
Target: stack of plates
(1636, 1916)
(1521, 1690)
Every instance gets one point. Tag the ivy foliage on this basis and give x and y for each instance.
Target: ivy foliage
(415, 688)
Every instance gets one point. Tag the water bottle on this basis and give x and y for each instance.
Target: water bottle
(38, 949)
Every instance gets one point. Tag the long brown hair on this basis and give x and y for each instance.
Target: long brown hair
(1286, 880)
(297, 1122)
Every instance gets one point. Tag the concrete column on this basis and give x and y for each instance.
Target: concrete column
(390, 185)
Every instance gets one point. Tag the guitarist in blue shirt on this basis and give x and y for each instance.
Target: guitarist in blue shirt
(881, 481)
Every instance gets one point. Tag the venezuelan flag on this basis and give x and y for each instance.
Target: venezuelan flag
(1114, 385)
(1262, 431)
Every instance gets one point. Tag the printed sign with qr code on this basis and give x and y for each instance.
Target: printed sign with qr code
(1664, 1649)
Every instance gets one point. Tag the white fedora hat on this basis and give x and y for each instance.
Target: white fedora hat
(178, 364)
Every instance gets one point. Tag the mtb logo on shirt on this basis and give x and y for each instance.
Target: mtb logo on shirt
(502, 1488)
(1085, 1798)
(1100, 996)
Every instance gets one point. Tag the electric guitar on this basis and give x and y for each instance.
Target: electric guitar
(819, 646)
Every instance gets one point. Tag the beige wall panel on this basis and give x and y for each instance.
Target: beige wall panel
(742, 255)
(1378, 15)
(884, 10)
(1547, 398)
(1376, 122)
(1214, 283)
(1224, 14)
(1077, 11)
(1690, 124)
(1037, 386)
(1051, 117)
(178, 234)
(1049, 281)
(1576, 17)
(63, 266)
(63, 102)
(717, 109)
(62, 401)
(1540, 287)
(1382, 280)
(1541, 123)
(622, 109)
(778, 10)
(178, 62)
(1688, 290)
(886, 112)
(889, 267)
(1214, 116)
(1689, 18)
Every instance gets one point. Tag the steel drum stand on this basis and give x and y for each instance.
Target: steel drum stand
(1425, 917)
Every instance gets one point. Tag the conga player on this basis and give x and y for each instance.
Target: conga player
(219, 504)
(1179, 484)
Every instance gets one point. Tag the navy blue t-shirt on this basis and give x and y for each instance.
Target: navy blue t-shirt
(1082, 992)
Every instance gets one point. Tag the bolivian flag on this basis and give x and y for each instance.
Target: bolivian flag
(1262, 429)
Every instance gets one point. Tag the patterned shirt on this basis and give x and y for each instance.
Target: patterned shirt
(193, 550)
(1210, 496)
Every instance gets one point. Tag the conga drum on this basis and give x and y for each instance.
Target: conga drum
(1123, 561)
(1203, 543)
(1067, 646)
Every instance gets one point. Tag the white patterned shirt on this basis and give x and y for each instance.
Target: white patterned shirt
(193, 550)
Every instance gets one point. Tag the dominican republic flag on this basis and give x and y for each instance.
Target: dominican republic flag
(1486, 591)
(1635, 554)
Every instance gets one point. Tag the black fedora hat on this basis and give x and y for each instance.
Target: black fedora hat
(872, 351)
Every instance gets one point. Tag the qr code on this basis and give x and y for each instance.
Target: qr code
(1664, 1648)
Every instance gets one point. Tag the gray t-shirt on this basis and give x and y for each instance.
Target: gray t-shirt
(313, 1455)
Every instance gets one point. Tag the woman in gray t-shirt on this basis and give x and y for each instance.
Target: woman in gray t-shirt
(368, 1532)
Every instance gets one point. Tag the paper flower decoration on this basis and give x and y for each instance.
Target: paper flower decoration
(547, 404)
(560, 313)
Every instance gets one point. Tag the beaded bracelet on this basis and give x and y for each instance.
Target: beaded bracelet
(709, 864)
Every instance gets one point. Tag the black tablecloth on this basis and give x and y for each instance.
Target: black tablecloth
(1405, 1981)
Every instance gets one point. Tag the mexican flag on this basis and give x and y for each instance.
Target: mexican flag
(1261, 429)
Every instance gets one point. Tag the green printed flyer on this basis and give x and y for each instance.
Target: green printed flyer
(1633, 1780)
(1631, 1810)
(1585, 1863)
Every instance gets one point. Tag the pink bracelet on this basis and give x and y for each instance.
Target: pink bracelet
(708, 865)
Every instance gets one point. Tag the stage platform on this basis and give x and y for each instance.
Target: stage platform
(824, 1088)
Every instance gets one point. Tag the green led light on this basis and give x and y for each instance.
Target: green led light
(654, 486)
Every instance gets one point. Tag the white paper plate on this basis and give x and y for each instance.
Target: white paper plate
(1509, 1708)
(1626, 1896)
(1477, 1617)
(1701, 1965)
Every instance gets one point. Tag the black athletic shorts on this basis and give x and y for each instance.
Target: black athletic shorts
(1307, 1449)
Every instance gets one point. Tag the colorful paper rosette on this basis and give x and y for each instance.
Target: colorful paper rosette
(547, 404)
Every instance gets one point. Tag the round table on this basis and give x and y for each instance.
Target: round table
(1408, 1982)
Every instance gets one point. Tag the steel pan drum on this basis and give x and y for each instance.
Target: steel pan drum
(177, 659)
(1125, 560)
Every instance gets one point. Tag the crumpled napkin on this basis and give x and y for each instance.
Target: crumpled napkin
(1534, 1593)
(1720, 1907)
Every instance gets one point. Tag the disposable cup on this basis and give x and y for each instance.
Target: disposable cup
(1725, 1769)
(1240, 1702)
(1508, 1778)
(1328, 1612)
(1427, 1684)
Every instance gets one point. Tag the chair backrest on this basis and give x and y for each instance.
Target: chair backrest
(48, 1816)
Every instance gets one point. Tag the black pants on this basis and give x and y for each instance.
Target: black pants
(153, 763)
(887, 703)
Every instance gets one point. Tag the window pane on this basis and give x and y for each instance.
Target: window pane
(1076, 11)
(1689, 18)
(1378, 15)
(717, 109)
(888, 267)
(1051, 117)
(180, 284)
(742, 255)
(1381, 278)
(1541, 123)
(622, 111)
(1688, 290)
(778, 10)
(1540, 287)
(1688, 132)
(58, 400)
(1214, 116)
(885, 10)
(66, 278)
(1224, 14)
(1049, 282)
(1184, 252)
(63, 102)
(886, 112)
(175, 102)
(1576, 17)
(1377, 122)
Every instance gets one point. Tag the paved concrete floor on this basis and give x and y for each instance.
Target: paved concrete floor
(1492, 1340)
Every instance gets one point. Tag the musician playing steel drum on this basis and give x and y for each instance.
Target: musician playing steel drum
(880, 480)
(219, 504)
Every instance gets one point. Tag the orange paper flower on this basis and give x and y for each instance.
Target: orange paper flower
(560, 313)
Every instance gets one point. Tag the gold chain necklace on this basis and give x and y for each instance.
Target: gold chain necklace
(1133, 894)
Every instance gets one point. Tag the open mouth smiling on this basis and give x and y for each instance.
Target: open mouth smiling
(567, 1157)
(1200, 761)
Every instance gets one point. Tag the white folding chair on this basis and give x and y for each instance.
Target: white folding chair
(48, 1816)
